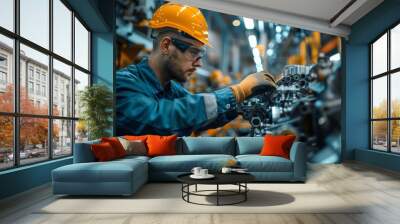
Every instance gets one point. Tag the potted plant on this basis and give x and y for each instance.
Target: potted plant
(96, 104)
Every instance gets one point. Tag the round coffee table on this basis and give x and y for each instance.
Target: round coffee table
(238, 179)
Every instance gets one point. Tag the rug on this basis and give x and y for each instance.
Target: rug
(167, 198)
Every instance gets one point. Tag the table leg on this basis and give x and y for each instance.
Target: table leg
(217, 194)
(245, 193)
(196, 188)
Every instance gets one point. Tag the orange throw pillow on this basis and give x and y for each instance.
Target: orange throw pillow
(116, 145)
(103, 152)
(161, 145)
(134, 137)
(277, 145)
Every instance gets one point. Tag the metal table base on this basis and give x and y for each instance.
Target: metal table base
(242, 191)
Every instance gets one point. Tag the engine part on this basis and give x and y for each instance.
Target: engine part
(306, 102)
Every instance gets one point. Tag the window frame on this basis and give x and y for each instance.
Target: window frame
(388, 74)
(16, 114)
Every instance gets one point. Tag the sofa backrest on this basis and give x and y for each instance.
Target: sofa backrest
(83, 152)
(206, 145)
(249, 145)
(190, 146)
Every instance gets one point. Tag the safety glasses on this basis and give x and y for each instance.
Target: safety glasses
(193, 52)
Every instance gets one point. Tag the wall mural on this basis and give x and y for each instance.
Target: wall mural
(305, 64)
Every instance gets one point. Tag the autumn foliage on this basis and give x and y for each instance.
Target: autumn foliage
(379, 128)
(33, 131)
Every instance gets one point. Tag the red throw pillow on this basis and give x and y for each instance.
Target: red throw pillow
(277, 145)
(161, 145)
(116, 145)
(103, 152)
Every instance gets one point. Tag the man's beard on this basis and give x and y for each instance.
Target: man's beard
(172, 69)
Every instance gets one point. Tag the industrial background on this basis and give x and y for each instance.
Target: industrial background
(307, 102)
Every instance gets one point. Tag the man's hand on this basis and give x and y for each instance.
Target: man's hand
(253, 84)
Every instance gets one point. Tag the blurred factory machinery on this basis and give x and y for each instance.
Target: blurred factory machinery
(306, 103)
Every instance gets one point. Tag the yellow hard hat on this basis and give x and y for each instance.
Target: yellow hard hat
(181, 17)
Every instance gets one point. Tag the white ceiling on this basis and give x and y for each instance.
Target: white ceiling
(315, 15)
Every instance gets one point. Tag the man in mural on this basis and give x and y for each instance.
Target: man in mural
(150, 97)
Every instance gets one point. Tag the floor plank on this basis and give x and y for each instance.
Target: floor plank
(377, 190)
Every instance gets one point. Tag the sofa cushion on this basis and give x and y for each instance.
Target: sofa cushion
(185, 163)
(249, 145)
(116, 145)
(277, 145)
(161, 145)
(133, 147)
(257, 163)
(207, 145)
(112, 171)
(103, 152)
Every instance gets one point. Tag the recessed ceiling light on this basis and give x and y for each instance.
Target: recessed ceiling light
(236, 22)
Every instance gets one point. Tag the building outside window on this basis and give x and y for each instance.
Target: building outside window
(385, 92)
(59, 126)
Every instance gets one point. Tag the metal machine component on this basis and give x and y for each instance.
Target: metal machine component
(306, 103)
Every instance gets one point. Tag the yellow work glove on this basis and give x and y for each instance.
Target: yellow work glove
(254, 83)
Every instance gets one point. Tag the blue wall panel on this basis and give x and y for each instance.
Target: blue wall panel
(24, 178)
(357, 84)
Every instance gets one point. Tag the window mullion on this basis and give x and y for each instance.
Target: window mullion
(389, 106)
(16, 84)
(50, 79)
(73, 83)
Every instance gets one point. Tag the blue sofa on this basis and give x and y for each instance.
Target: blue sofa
(125, 176)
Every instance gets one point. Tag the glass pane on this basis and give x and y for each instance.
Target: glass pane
(395, 94)
(395, 47)
(62, 29)
(6, 74)
(395, 135)
(379, 55)
(6, 142)
(81, 131)
(62, 138)
(81, 45)
(34, 92)
(33, 139)
(62, 89)
(7, 14)
(81, 81)
(379, 135)
(35, 21)
(379, 98)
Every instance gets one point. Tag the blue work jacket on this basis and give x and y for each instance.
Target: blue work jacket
(144, 106)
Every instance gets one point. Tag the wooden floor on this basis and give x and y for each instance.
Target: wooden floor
(377, 188)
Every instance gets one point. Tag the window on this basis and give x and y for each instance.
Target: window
(3, 72)
(38, 89)
(385, 94)
(30, 72)
(81, 45)
(46, 73)
(3, 78)
(30, 87)
(3, 61)
(7, 14)
(43, 90)
(37, 75)
(7, 85)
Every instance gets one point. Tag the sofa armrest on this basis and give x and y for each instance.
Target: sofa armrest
(298, 155)
(83, 152)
